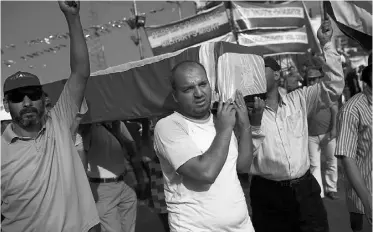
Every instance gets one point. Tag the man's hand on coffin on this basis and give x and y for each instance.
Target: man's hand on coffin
(256, 113)
(226, 116)
(242, 119)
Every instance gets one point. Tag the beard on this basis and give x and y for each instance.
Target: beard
(28, 117)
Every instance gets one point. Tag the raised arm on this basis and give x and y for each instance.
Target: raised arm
(245, 142)
(328, 90)
(72, 95)
(173, 143)
(79, 58)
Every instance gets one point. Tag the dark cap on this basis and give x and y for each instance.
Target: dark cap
(271, 63)
(19, 80)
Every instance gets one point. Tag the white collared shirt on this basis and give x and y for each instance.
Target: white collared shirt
(281, 143)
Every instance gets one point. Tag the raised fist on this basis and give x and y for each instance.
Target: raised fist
(325, 32)
(69, 7)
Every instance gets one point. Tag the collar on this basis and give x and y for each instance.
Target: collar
(10, 137)
(368, 92)
(282, 99)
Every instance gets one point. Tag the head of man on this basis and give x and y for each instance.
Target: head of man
(24, 99)
(191, 89)
(314, 76)
(272, 69)
(366, 75)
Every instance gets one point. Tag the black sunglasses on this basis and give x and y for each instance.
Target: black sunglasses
(17, 95)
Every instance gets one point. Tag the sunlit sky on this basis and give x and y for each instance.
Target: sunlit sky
(27, 20)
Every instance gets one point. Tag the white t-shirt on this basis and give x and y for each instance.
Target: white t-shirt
(193, 206)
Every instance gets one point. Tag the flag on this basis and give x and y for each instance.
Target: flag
(189, 31)
(354, 19)
(276, 42)
(251, 16)
(142, 88)
(274, 29)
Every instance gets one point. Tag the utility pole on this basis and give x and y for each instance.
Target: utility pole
(137, 30)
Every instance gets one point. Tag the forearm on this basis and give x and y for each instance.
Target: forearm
(213, 160)
(333, 82)
(129, 146)
(355, 179)
(257, 137)
(333, 119)
(79, 58)
(245, 150)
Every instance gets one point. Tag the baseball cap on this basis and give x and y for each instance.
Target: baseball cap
(19, 80)
(271, 63)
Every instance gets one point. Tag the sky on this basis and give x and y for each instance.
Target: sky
(27, 20)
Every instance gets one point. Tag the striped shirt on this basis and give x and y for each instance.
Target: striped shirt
(355, 141)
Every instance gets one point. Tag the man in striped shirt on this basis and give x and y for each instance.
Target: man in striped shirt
(354, 148)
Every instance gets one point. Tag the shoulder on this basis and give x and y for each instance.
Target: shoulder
(352, 105)
(170, 124)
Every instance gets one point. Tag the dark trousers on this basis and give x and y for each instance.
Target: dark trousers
(279, 206)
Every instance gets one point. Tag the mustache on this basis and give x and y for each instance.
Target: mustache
(28, 110)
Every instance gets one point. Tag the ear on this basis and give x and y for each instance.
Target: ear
(277, 76)
(6, 105)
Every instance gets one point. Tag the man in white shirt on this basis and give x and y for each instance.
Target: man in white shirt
(200, 156)
(284, 195)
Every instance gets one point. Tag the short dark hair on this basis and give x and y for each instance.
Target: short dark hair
(183, 64)
(366, 75)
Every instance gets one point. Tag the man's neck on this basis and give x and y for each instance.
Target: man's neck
(193, 119)
(30, 132)
(273, 98)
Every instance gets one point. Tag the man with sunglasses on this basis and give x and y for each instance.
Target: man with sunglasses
(43, 182)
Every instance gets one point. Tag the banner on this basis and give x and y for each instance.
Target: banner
(252, 16)
(190, 31)
(142, 88)
(354, 19)
(279, 42)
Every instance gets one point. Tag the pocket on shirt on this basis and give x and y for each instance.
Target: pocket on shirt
(295, 124)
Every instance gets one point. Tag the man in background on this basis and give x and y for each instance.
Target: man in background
(106, 146)
(322, 133)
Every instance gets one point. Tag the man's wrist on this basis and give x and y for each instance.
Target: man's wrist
(244, 127)
(226, 132)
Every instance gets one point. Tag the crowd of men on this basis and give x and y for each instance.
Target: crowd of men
(60, 175)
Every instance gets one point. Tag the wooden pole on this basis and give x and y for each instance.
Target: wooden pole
(138, 32)
(179, 6)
